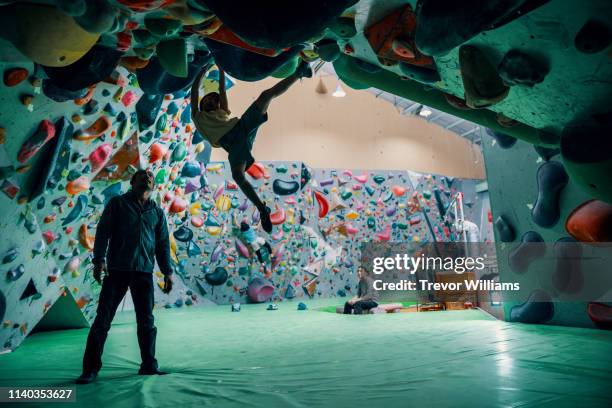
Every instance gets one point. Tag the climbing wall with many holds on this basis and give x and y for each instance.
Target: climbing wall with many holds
(536, 203)
(61, 162)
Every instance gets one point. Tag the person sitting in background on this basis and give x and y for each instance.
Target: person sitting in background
(367, 296)
(255, 242)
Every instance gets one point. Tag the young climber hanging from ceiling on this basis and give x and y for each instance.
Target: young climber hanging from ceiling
(211, 116)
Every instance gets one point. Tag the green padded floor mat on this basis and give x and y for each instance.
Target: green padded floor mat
(291, 358)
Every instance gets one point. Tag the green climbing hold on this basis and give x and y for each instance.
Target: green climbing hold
(378, 179)
(160, 177)
(179, 153)
(346, 194)
(371, 223)
(344, 27)
(162, 122)
(172, 55)
(163, 27)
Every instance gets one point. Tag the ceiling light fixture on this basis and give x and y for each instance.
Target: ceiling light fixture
(425, 112)
(339, 92)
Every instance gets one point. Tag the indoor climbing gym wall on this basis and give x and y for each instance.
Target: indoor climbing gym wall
(542, 218)
(63, 159)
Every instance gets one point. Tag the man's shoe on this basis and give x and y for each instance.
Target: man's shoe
(151, 372)
(266, 222)
(87, 377)
(304, 70)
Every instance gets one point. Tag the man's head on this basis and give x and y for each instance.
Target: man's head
(244, 226)
(210, 102)
(362, 273)
(142, 181)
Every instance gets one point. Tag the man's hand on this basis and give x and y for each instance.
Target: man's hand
(98, 269)
(353, 301)
(167, 284)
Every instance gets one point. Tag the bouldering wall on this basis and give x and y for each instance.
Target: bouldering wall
(537, 202)
(62, 160)
(322, 217)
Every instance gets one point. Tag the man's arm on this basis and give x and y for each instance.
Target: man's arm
(162, 245)
(103, 232)
(195, 92)
(222, 92)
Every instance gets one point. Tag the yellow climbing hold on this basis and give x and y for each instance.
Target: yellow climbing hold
(45, 34)
(223, 203)
(213, 230)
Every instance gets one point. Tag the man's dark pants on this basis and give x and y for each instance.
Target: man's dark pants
(359, 306)
(114, 287)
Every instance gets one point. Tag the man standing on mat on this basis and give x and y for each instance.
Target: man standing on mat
(134, 231)
(236, 135)
(367, 296)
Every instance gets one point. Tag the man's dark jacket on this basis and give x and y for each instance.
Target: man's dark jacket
(134, 234)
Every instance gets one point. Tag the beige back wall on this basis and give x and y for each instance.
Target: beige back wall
(357, 131)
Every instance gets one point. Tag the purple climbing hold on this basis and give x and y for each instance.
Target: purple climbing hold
(217, 277)
(538, 308)
(530, 248)
(260, 290)
(552, 178)
(505, 232)
(593, 37)
(568, 276)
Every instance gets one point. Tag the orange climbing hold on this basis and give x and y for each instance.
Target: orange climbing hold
(78, 185)
(398, 191)
(257, 171)
(157, 152)
(95, 130)
(85, 238)
(591, 222)
(392, 38)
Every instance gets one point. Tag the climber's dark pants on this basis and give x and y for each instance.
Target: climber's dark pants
(359, 307)
(260, 254)
(114, 287)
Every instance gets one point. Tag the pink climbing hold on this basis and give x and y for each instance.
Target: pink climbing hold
(362, 178)
(278, 216)
(100, 156)
(350, 229)
(218, 192)
(385, 235)
(260, 290)
(398, 191)
(178, 205)
(44, 133)
(128, 99)
(197, 221)
(49, 237)
(242, 249)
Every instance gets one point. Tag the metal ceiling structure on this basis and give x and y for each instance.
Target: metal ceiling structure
(463, 128)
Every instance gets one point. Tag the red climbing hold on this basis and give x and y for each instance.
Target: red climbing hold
(100, 156)
(15, 76)
(44, 133)
(600, 314)
(257, 171)
(323, 204)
